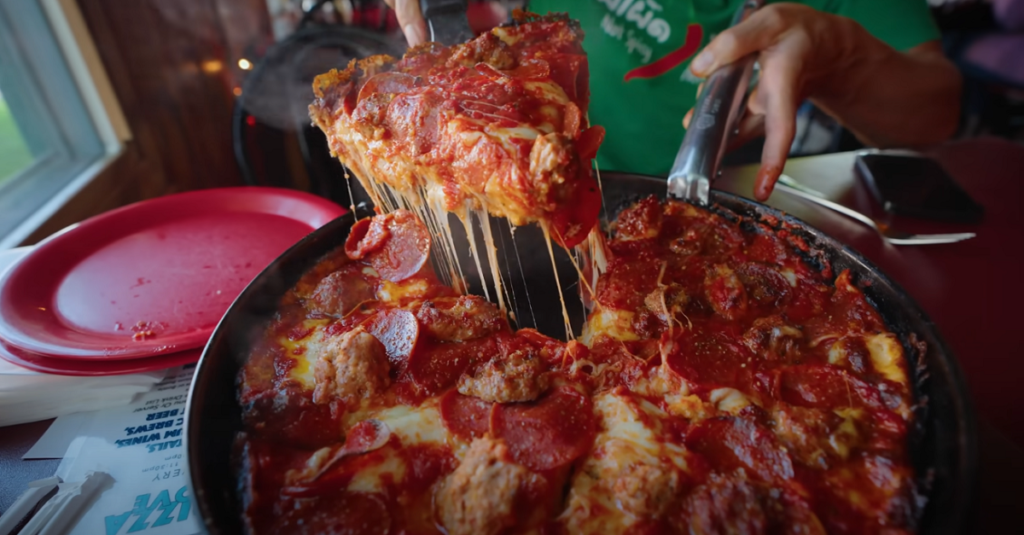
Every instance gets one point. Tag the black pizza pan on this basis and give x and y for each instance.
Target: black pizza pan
(942, 443)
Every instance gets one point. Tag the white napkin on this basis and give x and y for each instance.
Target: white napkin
(29, 396)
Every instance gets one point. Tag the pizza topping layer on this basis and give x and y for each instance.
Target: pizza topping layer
(352, 367)
(478, 497)
(722, 386)
(506, 378)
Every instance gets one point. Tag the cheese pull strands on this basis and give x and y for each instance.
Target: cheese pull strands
(447, 243)
(569, 336)
(497, 274)
(467, 224)
(514, 312)
(519, 262)
(494, 126)
(348, 184)
(492, 258)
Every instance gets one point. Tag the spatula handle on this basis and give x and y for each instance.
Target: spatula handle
(714, 118)
(447, 21)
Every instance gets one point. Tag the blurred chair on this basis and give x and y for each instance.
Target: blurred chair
(274, 141)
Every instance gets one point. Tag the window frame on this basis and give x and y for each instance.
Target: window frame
(72, 126)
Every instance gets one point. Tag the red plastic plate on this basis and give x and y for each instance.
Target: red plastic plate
(90, 368)
(153, 277)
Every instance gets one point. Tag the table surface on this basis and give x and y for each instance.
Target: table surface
(971, 290)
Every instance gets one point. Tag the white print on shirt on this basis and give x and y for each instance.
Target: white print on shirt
(634, 43)
(642, 14)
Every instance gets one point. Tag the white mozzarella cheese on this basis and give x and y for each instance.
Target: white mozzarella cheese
(616, 324)
(887, 356)
(628, 472)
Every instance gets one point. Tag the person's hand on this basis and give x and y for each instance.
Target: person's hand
(410, 19)
(803, 53)
(482, 17)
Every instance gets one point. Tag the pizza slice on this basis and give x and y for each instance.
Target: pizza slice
(495, 124)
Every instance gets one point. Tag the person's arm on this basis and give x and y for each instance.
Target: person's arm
(886, 97)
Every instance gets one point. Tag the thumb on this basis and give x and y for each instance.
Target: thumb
(756, 33)
(411, 20)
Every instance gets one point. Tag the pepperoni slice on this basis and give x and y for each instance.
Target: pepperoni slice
(466, 417)
(365, 238)
(388, 83)
(732, 442)
(572, 223)
(365, 437)
(549, 433)
(437, 366)
(823, 386)
(340, 292)
(398, 331)
(587, 144)
(397, 245)
(416, 119)
(407, 249)
(570, 72)
(711, 354)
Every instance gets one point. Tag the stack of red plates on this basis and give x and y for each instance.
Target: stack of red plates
(142, 287)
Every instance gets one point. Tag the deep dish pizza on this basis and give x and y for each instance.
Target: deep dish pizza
(497, 124)
(722, 385)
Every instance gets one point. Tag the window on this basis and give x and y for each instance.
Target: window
(49, 135)
(14, 153)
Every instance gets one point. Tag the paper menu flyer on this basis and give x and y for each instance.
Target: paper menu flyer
(141, 446)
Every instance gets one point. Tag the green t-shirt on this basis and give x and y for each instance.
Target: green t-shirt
(640, 51)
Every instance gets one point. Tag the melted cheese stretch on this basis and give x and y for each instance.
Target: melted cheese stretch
(425, 197)
(428, 204)
(558, 284)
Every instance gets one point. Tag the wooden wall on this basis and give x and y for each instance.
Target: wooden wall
(173, 65)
